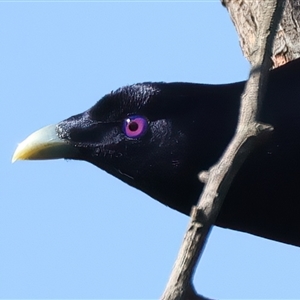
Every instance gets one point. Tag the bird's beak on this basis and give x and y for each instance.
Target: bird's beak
(43, 144)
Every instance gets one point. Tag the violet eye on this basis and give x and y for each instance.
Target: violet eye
(135, 126)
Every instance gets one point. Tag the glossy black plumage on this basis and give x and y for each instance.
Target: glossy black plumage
(189, 126)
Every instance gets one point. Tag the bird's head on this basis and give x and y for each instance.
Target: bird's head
(153, 136)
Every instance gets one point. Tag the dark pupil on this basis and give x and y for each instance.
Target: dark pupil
(133, 126)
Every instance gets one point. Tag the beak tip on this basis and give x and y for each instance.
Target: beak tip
(14, 159)
(16, 156)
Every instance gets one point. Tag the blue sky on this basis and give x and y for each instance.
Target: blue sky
(68, 229)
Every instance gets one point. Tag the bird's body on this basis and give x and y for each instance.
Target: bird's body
(157, 137)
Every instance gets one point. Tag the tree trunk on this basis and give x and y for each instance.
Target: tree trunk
(246, 18)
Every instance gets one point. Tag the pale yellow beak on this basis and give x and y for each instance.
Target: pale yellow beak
(42, 144)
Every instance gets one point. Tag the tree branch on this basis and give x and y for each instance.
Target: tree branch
(220, 176)
(246, 15)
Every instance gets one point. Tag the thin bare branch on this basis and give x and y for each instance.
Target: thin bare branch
(220, 176)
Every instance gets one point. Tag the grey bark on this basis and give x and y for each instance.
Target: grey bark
(246, 16)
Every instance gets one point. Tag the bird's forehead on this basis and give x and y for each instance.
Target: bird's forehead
(123, 101)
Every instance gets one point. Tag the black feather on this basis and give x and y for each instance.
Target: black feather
(189, 126)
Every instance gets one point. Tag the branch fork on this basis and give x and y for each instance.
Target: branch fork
(219, 177)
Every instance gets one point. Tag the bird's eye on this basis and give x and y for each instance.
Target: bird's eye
(135, 126)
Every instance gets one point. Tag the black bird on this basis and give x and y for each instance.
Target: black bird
(157, 137)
